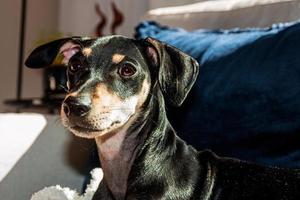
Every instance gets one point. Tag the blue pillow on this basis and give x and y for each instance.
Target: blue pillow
(246, 101)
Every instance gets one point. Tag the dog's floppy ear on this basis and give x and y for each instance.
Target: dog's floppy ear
(177, 71)
(45, 54)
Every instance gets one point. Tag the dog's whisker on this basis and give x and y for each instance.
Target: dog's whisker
(154, 121)
(58, 120)
(153, 96)
(125, 109)
(63, 87)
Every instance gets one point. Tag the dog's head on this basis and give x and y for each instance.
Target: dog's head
(110, 78)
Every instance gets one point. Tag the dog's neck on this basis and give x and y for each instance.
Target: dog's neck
(148, 143)
(118, 151)
(117, 154)
(115, 162)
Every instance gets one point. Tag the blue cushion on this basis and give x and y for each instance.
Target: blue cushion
(246, 101)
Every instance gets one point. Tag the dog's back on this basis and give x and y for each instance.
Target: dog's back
(238, 180)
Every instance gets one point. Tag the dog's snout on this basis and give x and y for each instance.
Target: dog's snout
(77, 106)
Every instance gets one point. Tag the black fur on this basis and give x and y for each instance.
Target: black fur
(163, 166)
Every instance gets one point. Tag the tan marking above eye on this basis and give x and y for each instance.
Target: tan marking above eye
(117, 58)
(87, 52)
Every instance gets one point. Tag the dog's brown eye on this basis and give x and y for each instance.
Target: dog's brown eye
(75, 66)
(127, 70)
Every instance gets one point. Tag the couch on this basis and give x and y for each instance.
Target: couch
(238, 106)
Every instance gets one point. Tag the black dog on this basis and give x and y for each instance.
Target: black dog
(117, 92)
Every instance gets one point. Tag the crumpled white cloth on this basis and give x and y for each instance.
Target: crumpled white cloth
(64, 193)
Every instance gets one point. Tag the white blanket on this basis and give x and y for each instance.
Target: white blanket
(17, 133)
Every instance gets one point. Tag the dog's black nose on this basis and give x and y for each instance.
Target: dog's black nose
(77, 106)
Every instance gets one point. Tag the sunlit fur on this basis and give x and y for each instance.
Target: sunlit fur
(108, 114)
(117, 58)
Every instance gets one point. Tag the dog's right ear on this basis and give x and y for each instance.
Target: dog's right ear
(44, 55)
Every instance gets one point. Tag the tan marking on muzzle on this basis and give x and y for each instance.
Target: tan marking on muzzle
(117, 58)
(103, 97)
(87, 52)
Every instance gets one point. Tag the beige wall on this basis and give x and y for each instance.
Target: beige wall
(9, 19)
(166, 3)
(84, 23)
(72, 17)
(42, 17)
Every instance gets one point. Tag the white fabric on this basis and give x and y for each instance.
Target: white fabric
(17, 133)
(227, 14)
(167, 3)
(59, 193)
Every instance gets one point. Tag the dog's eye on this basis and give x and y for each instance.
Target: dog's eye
(127, 70)
(75, 66)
